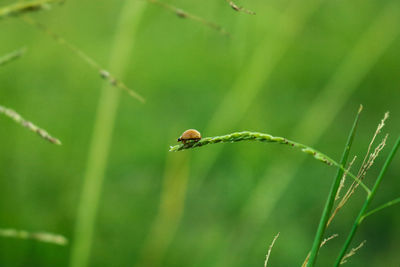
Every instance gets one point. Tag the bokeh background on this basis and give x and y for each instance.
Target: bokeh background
(299, 69)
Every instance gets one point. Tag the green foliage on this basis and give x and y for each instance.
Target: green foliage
(363, 212)
(297, 67)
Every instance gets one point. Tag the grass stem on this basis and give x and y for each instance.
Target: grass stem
(367, 202)
(384, 206)
(186, 15)
(332, 195)
(29, 125)
(124, 41)
(255, 136)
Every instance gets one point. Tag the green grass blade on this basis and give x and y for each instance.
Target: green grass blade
(365, 206)
(12, 56)
(261, 137)
(381, 207)
(102, 134)
(253, 136)
(332, 194)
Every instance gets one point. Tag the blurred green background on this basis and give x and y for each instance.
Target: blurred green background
(299, 69)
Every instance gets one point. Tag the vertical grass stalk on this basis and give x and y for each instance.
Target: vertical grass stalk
(332, 194)
(364, 208)
(126, 29)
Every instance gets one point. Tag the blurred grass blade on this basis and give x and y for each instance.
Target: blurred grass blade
(384, 206)
(255, 75)
(332, 194)
(20, 8)
(12, 56)
(29, 125)
(38, 236)
(104, 74)
(239, 9)
(170, 211)
(186, 15)
(124, 42)
(367, 202)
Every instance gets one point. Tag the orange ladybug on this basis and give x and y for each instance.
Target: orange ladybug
(190, 135)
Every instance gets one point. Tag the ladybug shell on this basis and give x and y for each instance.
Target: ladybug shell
(190, 134)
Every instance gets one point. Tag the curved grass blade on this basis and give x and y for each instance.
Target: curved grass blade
(7, 58)
(269, 250)
(384, 206)
(261, 137)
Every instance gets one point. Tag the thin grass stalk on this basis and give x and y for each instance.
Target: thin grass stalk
(332, 195)
(45, 237)
(367, 202)
(29, 125)
(21, 8)
(7, 58)
(186, 15)
(124, 40)
(270, 249)
(237, 8)
(104, 74)
(381, 207)
(261, 137)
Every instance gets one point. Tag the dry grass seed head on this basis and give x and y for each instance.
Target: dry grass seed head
(352, 252)
(270, 249)
(368, 161)
(344, 178)
(321, 245)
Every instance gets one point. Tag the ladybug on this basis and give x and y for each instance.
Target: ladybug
(190, 135)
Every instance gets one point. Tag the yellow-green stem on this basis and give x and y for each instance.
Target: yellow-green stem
(102, 135)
